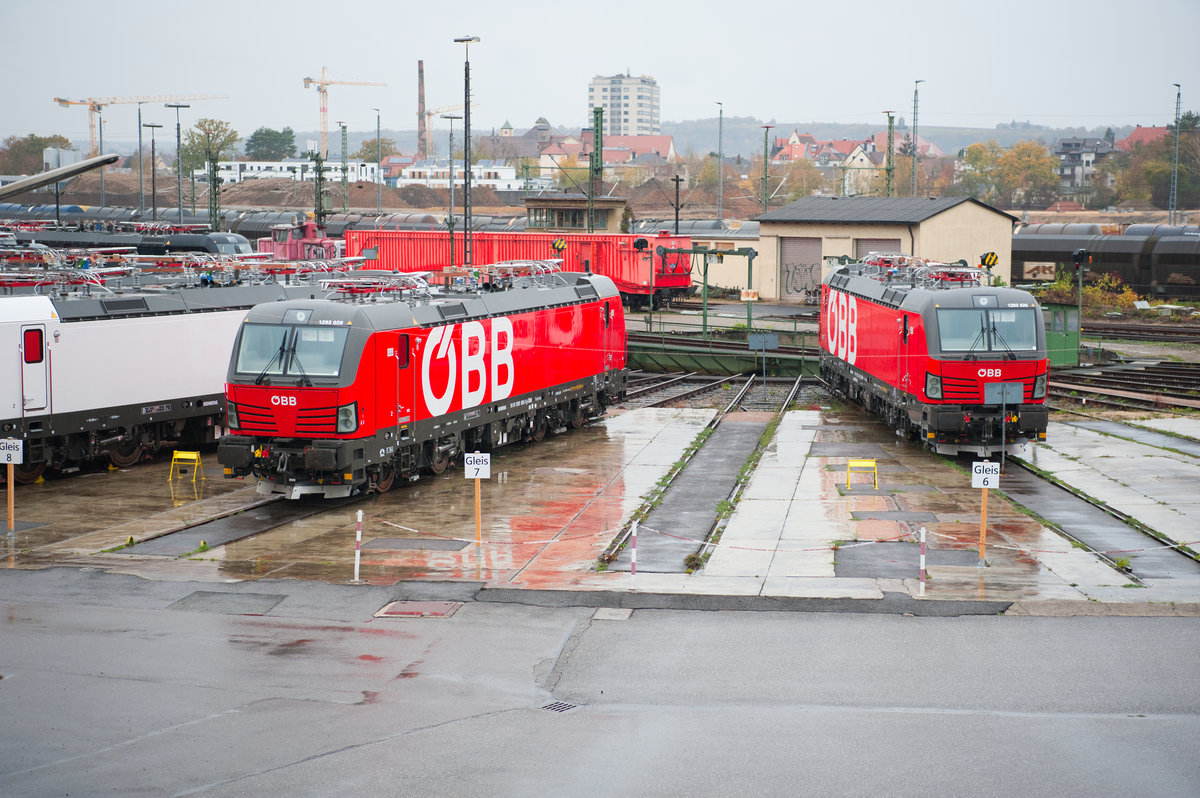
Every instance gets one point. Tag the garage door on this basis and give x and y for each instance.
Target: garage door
(799, 268)
(865, 246)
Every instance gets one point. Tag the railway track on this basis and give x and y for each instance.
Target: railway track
(1165, 387)
(1174, 333)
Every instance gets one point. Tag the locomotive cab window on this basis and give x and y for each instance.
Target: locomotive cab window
(281, 350)
(987, 330)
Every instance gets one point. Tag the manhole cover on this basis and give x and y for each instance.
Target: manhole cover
(227, 603)
(416, 544)
(895, 560)
(419, 609)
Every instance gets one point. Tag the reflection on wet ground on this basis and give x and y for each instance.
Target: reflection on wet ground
(550, 509)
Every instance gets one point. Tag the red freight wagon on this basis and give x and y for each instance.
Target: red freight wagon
(936, 352)
(628, 260)
(339, 396)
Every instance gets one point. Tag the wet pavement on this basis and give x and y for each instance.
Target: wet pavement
(797, 531)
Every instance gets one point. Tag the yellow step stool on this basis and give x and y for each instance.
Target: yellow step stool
(182, 459)
(863, 467)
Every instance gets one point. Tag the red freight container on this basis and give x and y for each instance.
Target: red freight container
(616, 256)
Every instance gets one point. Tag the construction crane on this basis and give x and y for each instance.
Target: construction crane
(431, 113)
(96, 104)
(323, 93)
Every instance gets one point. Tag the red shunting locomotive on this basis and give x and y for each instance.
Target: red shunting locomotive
(936, 352)
(388, 378)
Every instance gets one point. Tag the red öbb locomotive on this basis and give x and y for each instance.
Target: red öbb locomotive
(936, 353)
(388, 378)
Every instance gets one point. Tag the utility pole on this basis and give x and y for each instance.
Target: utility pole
(720, 161)
(890, 169)
(178, 158)
(378, 167)
(100, 114)
(141, 169)
(450, 161)
(214, 189)
(1175, 163)
(677, 180)
(766, 160)
(153, 182)
(916, 148)
(595, 166)
(319, 188)
(345, 171)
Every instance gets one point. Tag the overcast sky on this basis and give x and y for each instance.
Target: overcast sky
(1051, 62)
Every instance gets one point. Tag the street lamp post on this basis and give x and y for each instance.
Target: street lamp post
(1175, 162)
(766, 159)
(378, 166)
(720, 161)
(178, 158)
(153, 182)
(465, 41)
(450, 173)
(916, 149)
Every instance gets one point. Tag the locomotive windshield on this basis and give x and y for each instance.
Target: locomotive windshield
(988, 329)
(272, 350)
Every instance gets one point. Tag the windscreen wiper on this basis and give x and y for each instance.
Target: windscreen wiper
(278, 356)
(1008, 350)
(304, 381)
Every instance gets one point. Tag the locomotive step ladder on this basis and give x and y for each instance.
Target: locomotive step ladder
(183, 460)
(863, 467)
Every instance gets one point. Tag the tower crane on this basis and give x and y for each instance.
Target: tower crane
(323, 93)
(430, 113)
(96, 104)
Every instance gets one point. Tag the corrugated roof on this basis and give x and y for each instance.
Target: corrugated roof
(868, 210)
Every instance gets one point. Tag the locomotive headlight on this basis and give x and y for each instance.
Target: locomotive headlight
(231, 415)
(1039, 387)
(933, 386)
(347, 418)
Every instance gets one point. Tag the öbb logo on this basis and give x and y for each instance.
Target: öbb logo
(283, 401)
(841, 325)
(486, 360)
(989, 373)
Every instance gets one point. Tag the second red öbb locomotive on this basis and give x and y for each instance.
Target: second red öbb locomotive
(936, 353)
(337, 396)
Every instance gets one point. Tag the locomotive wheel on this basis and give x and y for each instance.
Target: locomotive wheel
(439, 462)
(126, 455)
(576, 417)
(27, 474)
(539, 429)
(385, 480)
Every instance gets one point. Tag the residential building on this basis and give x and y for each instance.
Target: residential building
(291, 168)
(1141, 136)
(496, 175)
(1077, 161)
(631, 104)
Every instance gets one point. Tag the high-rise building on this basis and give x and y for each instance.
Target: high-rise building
(630, 104)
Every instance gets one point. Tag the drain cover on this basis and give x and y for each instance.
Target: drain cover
(227, 603)
(419, 544)
(559, 706)
(419, 609)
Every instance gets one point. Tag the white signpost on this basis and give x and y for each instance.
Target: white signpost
(12, 453)
(984, 474)
(477, 466)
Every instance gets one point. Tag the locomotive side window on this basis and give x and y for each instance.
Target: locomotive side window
(402, 352)
(33, 346)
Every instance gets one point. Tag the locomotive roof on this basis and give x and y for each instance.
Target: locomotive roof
(525, 294)
(921, 288)
(172, 301)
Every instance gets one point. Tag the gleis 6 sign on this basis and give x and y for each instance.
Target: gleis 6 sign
(465, 365)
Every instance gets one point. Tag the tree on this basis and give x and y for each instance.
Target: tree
(1025, 175)
(266, 144)
(979, 164)
(208, 133)
(368, 150)
(23, 156)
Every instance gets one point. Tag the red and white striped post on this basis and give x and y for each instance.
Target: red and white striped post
(633, 550)
(357, 544)
(922, 591)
